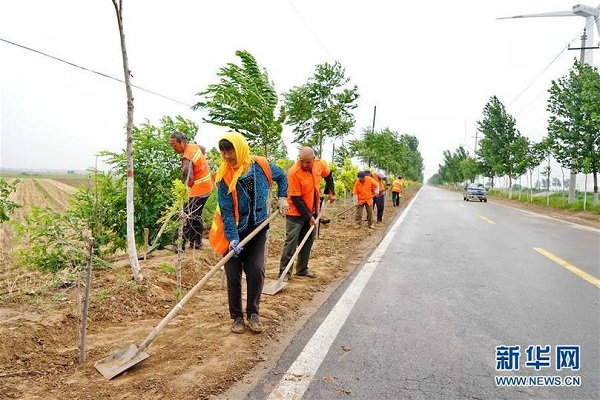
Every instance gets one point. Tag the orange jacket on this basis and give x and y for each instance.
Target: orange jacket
(365, 191)
(305, 184)
(397, 186)
(202, 185)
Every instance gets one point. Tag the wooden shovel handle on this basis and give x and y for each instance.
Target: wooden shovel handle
(198, 285)
(289, 264)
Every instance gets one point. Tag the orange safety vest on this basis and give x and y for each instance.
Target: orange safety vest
(217, 239)
(397, 186)
(202, 184)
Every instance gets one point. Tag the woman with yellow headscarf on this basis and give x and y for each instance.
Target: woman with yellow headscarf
(243, 192)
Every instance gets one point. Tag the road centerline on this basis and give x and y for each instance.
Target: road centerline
(570, 267)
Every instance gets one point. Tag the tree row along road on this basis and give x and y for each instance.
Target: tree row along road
(454, 281)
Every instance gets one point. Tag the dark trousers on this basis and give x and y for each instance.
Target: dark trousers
(359, 213)
(295, 230)
(192, 230)
(379, 203)
(396, 199)
(252, 261)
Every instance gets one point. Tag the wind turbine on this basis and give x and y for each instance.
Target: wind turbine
(591, 14)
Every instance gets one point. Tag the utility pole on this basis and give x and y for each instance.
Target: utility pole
(374, 114)
(573, 172)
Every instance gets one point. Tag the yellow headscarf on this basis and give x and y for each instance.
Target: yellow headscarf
(242, 153)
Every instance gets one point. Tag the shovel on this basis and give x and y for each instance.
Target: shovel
(121, 361)
(276, 286)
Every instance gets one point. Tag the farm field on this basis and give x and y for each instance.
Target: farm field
(196, 356)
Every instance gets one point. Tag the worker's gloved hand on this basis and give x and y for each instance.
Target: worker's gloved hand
(355, 199)
(234, 245)
(282, 205)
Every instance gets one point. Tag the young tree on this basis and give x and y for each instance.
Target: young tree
(533, 158)
(133, 259)
(502, 146)
(321, 108)
(574, 126)
(157, 166)
(245, 101)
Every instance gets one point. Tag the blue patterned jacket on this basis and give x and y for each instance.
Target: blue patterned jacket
(261, 193)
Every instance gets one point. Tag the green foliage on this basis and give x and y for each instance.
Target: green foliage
(156, 167)
(98, 297)
(388, 151)
(167, 268)
(284, 163)
(574, 126)
(554, 200)
(245, 101)
(322, 107)
(502, 147)
(344, 178)
(101, 208)
(51, 241)
(7, 206)
(213, 156)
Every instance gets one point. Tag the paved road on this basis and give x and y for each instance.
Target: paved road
(445, 299)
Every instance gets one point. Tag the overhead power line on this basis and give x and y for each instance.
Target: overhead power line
(566, 47)
(312, 32)
(94, 72)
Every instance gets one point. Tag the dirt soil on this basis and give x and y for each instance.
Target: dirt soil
(196, 356)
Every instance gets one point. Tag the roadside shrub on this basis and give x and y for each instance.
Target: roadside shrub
(51, 241)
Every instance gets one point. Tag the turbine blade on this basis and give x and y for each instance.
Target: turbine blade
(547, 14)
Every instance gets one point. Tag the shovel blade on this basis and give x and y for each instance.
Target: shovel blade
(273, 287)
(120, 361)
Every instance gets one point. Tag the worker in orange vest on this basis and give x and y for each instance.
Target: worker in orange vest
(303, 197)
(196, 175)
(397, 191)
(365, 189)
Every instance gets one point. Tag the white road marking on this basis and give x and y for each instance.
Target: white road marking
(573, 224)
(302, 371)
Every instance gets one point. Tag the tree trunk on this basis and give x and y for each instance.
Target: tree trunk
(573, 178)
(133, 258)
(595, 174)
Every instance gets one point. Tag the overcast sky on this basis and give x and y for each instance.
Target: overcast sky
(428, 67)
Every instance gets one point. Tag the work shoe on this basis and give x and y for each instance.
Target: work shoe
(238, 325)
(255, 324)
(308, 274)
(356, 226)
(371, 227)
(325, 220)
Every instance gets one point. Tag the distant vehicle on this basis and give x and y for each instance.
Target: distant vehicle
(474, 191)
